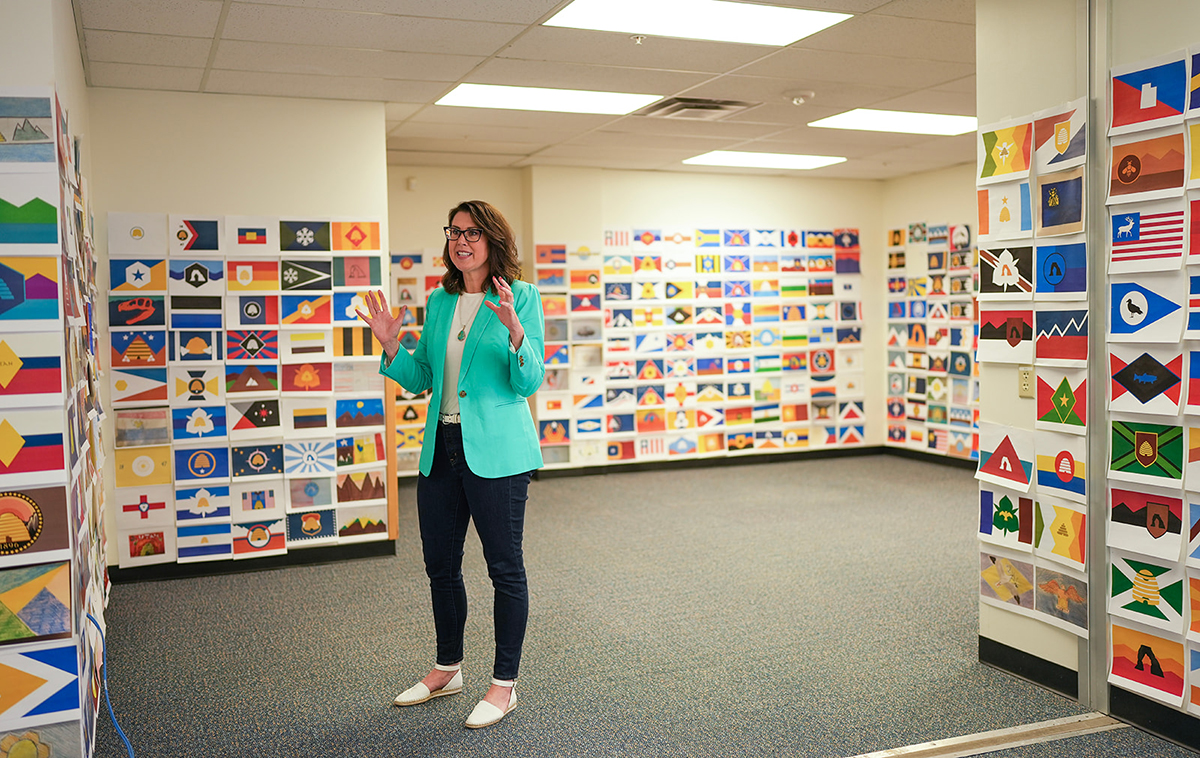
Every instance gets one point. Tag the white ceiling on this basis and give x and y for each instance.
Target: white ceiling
(897, 54)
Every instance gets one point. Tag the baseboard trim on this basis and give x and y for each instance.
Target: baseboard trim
(754, 459)
(306, 557)
(1041, 672)
(1156, 718)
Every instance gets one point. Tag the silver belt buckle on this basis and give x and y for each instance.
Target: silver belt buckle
(451, 418)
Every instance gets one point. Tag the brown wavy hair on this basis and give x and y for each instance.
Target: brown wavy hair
(502, 246)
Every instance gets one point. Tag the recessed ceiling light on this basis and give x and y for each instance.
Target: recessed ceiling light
(740, 159)
(545, 99)
(867, 119)
(716, 20)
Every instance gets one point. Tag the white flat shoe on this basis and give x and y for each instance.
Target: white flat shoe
(486, 714)
(419, 693)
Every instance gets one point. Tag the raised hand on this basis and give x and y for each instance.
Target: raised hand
(505, 311)
(384, 325)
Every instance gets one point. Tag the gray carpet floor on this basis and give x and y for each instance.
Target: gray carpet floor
(813, 608)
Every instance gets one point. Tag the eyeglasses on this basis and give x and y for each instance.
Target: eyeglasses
(453, 232)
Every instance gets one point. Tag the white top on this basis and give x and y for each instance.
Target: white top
(465, 311)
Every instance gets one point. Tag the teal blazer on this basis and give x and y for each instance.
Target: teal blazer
(499, 437)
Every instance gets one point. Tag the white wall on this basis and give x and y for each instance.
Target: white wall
(27, 44)
(173, 152)
(1150, 28)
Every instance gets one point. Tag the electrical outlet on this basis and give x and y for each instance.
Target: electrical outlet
(1025, 382)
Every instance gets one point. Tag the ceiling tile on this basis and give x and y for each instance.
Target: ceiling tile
(777, 94)
(936, 10)
(146, 49)
(310, 26)
(508, 11)
(899, 37)
(947, 150)
(446, 114)
(339, 61)
(603, 138)
(477, 160)
(479, 132)
(327, 87)
(908, 72)
(544, 43)
(837, 6)
(465, 146)
(932, 101)
(132, 76)
(399, 111)
(686, 128)
(624, 162)
(841, 141)
(182, 18)
(579, 76)
(965, 84)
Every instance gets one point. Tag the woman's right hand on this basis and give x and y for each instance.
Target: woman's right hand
(384, 325)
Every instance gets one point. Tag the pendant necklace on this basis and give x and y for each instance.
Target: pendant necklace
(462, 331)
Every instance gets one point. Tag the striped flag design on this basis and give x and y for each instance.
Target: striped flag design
(1147, 241)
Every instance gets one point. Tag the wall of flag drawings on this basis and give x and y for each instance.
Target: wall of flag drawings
(52, 542)
(669, 344)
(1154, 424)
(414, 276)
(932, 377)
(250, 417)
(1033, 310)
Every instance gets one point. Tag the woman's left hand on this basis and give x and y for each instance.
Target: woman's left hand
(505, 311)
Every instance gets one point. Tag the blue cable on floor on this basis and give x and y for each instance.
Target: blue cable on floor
(104, 676)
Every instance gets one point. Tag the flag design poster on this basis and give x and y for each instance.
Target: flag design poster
(1006, 456)
(138, 275)
(1193, 130)
(1146, 237)
(1004, 151)
(1146, 520)
(1145, 381)
(1061, 599)
(1061, 465)
(245, 275)
(1005, 211)
(1060, 200)
(203, 542)
(1146, 308)
(304, 236)
(1147, 663)
(363, 523)
(1061, 533)
(211, 502)
(1061, 396)
(31, 369)
(192, 235)
(141, 507)
(1006, 582)
(28, 212)
(1146, 453)
(257, 539)
(1061, 337)
(196, 277)
(258, 499)
(1006, 273)
(36, 603)
(1060, 136)
(29, 295)
(1150, 591)
(31, 446)
(146, 546)
(40, 686)
(1006, 517)
(1148, 166)
(1005, 335)
(311, 528)
(1060, 270)
(1148, 94)
(137, 234)
(251, 235)
(37, 523)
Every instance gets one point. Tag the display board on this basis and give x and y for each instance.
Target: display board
(1033, 311)
(250, 417)
(932, 329)
(669, 344)
(52, 542)
(1153, 428)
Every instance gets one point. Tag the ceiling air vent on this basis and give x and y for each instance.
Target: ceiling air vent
(695, 109)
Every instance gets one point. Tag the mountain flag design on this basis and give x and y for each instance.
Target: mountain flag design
(1147, 168)
(1146, 522)
(1062, 337)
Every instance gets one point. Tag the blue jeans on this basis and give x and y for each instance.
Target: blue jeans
(446, 500)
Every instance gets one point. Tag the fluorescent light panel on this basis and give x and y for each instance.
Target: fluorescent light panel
(867, 119)
(715, 20)
(545, 99)
(738, 159)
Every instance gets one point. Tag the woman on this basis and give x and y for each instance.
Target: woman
(481, 354)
